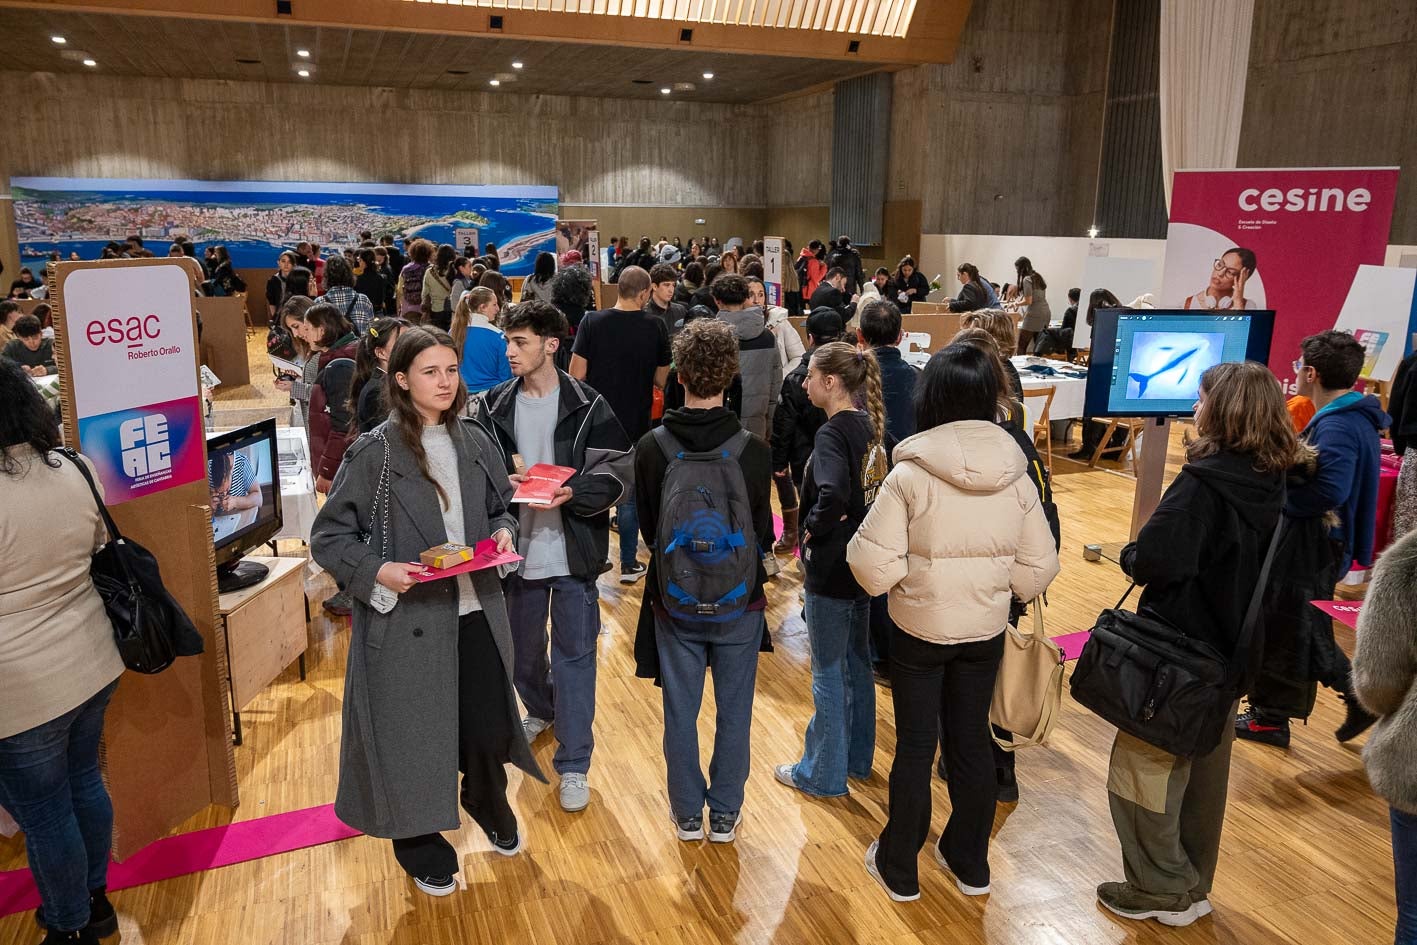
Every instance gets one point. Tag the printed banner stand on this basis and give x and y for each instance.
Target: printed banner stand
(772, 268)
(126, 347)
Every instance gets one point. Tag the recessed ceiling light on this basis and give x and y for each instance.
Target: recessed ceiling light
(90, 63)
(495, 82)
(665, 91)
(304, 73)
(708, 75)
(516, 65)
(303, 53)
(58, 39)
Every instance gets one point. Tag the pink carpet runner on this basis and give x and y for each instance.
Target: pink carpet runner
(197, 851)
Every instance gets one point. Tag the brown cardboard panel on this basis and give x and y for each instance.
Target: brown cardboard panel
(166, 746)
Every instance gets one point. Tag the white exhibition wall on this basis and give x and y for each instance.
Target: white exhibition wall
(1059, 258)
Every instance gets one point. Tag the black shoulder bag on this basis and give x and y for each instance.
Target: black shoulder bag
(1152, 681)
(149, 626)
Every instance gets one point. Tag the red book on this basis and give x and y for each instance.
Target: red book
(485, 556)
(541, 483)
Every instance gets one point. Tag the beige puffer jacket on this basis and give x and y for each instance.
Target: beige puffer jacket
(956, 531)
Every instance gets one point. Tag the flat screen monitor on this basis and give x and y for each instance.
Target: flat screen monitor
(243, 476)
(1149, 362)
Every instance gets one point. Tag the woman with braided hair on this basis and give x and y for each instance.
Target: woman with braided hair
(847, 467)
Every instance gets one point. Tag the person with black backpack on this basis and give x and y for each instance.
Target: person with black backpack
(703, 488)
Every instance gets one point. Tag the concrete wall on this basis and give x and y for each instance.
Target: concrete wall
(1333, 83)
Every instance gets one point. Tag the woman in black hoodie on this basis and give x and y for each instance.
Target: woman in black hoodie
(845, 472)
(1199, 558)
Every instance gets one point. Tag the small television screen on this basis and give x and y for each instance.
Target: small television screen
(1149, 362)
(244, 480)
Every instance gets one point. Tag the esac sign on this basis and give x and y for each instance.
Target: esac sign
(134, 332)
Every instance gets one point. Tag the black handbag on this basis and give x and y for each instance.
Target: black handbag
(149, 626)
(1156, 683)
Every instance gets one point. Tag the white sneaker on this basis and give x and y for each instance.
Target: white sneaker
(876, 875)
(532, 727)
(963, 887)
(575, 792)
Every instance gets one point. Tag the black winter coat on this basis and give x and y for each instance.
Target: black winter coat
(796, 421)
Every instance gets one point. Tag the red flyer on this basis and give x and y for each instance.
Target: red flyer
(541, 483)
(485, 556)
(1345, 612)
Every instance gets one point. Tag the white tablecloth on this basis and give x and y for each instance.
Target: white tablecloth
(1068, 398)
(297, 484)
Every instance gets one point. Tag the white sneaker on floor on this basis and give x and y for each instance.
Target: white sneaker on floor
(876, 875)
(575, 792)
(532, 727)
(963, 887)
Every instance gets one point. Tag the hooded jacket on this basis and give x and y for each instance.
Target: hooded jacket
(332, 415)
(796, 420)
(1346, 435)
(1385, 674)
(587, 439)
(758, 365)
(812, 272)
(955, 535)
(1199, 555)
(701, 431)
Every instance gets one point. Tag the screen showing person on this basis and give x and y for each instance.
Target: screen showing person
(1149, 362)
(240, 481)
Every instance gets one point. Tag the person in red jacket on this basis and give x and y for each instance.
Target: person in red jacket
(811, 267)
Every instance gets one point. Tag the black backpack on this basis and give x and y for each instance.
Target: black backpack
(706, 554)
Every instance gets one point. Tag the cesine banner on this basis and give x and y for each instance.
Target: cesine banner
(131, 350)
(1288, 240)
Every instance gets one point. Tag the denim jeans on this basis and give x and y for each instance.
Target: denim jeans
(931, 683)
(1404, 860)
(563, 689)
(50, 782)
(628, 522)
(841, 737)
(730, 651)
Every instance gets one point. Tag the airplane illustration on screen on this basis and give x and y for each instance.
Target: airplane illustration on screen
(1144, 379)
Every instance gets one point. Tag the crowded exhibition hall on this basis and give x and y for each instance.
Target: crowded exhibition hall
(682, 472)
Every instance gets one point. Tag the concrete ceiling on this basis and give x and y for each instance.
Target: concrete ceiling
(170, 47)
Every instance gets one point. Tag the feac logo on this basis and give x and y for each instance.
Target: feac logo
(144, 445)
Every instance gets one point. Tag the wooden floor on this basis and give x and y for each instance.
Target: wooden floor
(1305, 860)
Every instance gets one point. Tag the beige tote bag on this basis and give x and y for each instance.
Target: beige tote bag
(1028, 692)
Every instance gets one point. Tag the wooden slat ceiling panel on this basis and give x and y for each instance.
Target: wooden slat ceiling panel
(177, 48)
(867, 17)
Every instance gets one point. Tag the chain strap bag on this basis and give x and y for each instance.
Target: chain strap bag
(1028, 692)
(149, 626)
(1152, 681)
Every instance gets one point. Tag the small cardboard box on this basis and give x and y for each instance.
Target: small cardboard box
(446, 555)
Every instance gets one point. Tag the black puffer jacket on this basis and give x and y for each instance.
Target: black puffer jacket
(796, 421)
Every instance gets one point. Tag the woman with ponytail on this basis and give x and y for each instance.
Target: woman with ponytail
(847, 467)
(957, 534)
(972, 296)
(371, 361)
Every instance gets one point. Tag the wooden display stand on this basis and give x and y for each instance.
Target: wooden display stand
(167, 754)
(265, 631)
(224, 339)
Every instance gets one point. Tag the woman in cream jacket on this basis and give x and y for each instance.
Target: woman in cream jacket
(955, 534)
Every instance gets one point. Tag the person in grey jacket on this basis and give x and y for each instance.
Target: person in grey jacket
(1385, 681)
(428, 687)
(757, 353)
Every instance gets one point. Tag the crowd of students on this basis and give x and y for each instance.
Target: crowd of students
(922, 515)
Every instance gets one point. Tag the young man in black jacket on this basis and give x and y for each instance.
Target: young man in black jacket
(878, 327)
(679, 651)
(543, 415)
(663, 297)
(795, 424)
(832, 294)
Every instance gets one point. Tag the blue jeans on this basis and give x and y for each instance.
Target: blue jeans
(563, 689)
(1404, 861)
(730, 651)
(841, 738)
(50, 782)
(627, 519)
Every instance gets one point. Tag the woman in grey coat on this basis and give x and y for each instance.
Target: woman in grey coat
(428, 689)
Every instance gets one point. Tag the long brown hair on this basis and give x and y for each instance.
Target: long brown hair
(1245, 413)
(405, 416)
(861, 374)
(470, 301)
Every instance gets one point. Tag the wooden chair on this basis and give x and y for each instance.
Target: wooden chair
(1041, 428)
(1128, 447)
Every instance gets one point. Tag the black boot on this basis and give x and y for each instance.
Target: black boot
(103, 920)
(1357, 721)
(84, 936)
